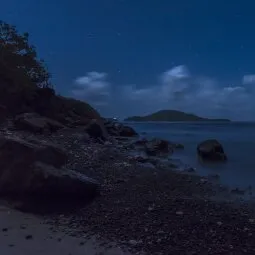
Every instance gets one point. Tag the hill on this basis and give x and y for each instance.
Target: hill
(171, 115)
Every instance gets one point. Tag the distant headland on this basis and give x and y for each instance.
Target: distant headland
(171, 115)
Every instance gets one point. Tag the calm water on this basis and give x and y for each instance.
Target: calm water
(238, 140)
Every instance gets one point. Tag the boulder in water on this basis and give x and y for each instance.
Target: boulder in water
(211, 150)
(158, 146)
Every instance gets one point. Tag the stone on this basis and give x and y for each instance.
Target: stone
(115, 128)
(17, 151)
(3, 113)
(238, 191)
(158, 146)
(211, 150)
(36, 123)
(127, 131)
(96, 130)
(37, 170)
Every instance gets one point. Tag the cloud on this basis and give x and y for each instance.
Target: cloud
(176, 89)
(92, 87)
(249, 79)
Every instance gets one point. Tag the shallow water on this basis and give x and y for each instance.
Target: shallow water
(237, 138)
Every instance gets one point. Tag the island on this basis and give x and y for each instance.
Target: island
(172, 115)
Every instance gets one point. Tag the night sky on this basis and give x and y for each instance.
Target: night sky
(131, 57)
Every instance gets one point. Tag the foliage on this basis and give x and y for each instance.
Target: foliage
(24, 81)
(18, 59)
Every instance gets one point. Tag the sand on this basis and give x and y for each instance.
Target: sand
(26, 234)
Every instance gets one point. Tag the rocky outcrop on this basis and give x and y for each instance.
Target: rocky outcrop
(211, 150)
(36, 123)
(36, 169)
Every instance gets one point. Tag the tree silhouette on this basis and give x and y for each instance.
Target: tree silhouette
(18, 59)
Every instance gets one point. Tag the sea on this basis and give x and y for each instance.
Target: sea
(237, 138)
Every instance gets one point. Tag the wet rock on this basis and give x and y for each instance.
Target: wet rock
(35, 123)
(211, 150)
(158, 146)
(127, 131)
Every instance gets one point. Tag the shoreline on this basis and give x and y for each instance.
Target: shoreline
(151, 209)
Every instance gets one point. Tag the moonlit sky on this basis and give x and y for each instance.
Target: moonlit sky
(134, 57)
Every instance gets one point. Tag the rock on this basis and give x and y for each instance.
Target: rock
(190, 170)
(141, 142)
(158, 146)
(48, 181)
(118, 129)
(133, 242)
(127, 131)
(148, 165)
(211, 150)
(36, 123)
(29, 237)
(141, 158)
(96, 130)
(81, 122)
(177, 145)
(34, 170)
(238, 191)
(3, 113)
(214, 176)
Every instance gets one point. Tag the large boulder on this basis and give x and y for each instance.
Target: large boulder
(211, 150)
(36, 123)
(158, 146)
(17, 151)
(35, 169)
(96, 130)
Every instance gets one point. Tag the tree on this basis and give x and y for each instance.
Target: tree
(19, 59)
